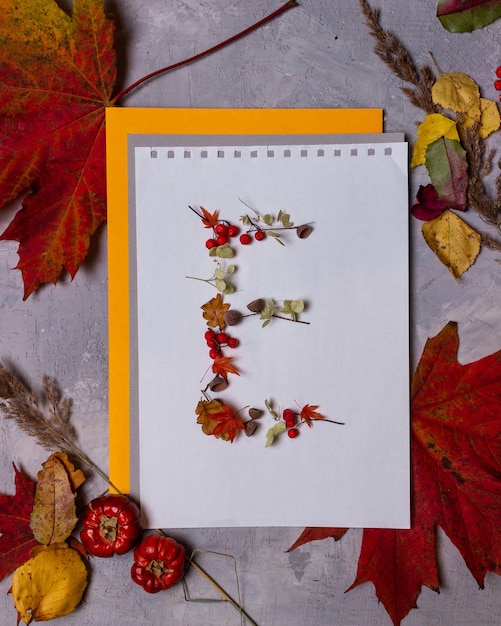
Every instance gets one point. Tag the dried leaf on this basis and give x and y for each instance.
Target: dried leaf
(56, 79)
(457, 92)
(223, 365)
(274, 432)
(218, 419)
(454, 242)
(461, 16)
(447, 167)
(209, 220)
(54, 514)
(309, 412)
(490, 119)
(314, 533)
(214, 312)
(16, 536)
(428, 205)
(49, 585)
(434, 126)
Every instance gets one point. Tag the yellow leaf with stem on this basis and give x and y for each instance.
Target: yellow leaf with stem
(49, 585)
(455, 243)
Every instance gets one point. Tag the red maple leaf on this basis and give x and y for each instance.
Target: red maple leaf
(56, 77)
(16, 537)
(456, 478)
(309, 412)
(209, 220)
(223, 365)
(228, 424)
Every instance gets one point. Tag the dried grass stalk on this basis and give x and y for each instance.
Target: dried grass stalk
(394, 54)
(397, 58)
(45, 419)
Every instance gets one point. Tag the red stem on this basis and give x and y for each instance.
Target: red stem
(268, 18)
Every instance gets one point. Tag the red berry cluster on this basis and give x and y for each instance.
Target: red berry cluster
(246, 238)
(497, 84)
(215, 341)
(290, 419)
(222, 233)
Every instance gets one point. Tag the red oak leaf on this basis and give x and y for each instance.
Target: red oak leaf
(456, 478)
(309, 412)
(56, 78)
(16, 536)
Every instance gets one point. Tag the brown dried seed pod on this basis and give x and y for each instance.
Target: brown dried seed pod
(217, 384)
(303, 231)
(255, 414)
(256, 306)
(232, 317)
(250, 428)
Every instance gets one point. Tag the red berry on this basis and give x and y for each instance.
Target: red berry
(498, 72)
(260, 235)
(245, 239)
(221, 240)
(293, 433)
(233, 230)
(232, 342)
(221, 229)
(210, 334)
(222, 338)
(212, 343)
(497, 85)
(210, 243)
(214, 352)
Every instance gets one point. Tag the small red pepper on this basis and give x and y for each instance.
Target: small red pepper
(111, 525)
(158, 563)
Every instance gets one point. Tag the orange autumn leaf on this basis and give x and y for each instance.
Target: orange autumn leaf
(214, 311)
(223, 366)
(209, 220)
(218, 419)
(57, 73)
(309, 412)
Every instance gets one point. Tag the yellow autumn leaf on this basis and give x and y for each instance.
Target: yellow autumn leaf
(434, 126)
(54, 514)
(457, 92)
(49, 585)
(454, 242)
(490, 119)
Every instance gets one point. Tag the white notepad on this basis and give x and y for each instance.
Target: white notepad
(351, 359)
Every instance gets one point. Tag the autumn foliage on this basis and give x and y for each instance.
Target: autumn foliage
(57, 74)
(456, 479)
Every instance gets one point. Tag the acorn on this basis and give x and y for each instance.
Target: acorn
(232, 317)
(303, 231)
(256, 306)
(250, 428)
(217, 384)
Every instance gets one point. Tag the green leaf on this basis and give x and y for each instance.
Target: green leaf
(268, 219)
(464, 16)
(272, 233)
(229, 289)
(219, 274)
(273, 432)
(448, 169)
(297, 306)
(221, 285)
(224, 252)
(231, 269)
